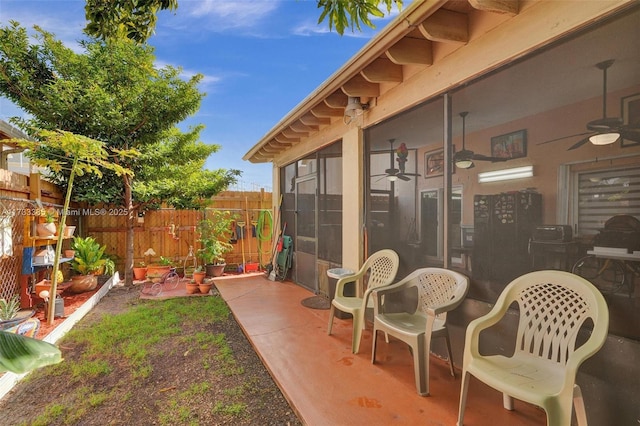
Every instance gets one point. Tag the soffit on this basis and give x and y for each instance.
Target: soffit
(414, 41)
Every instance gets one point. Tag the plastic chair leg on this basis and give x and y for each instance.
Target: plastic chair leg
(464, 388)
(449, 353)
(578, 403)
(357, 331)
(332, 312)
(374, 345)
(507, 402)
(421, 365)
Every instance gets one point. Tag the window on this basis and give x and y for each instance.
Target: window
(606, 193)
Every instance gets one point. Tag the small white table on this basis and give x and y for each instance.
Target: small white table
(338, 273)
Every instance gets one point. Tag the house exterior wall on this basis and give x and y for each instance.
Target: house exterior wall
(609, 379)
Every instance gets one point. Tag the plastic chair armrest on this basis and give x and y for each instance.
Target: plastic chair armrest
(450, 306)
(478, 325)
(346, 280)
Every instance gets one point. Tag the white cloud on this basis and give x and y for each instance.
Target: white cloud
(66, 24)
(223, 14)
(308, 28)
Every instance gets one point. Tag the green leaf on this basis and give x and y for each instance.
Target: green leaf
(20, 354)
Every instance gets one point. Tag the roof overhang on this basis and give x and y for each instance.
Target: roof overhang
(421, 37)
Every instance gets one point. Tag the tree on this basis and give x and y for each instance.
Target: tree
(112, 93)
(82, 156)
(136, 19)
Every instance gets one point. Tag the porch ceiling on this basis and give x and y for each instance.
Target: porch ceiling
(423, 35)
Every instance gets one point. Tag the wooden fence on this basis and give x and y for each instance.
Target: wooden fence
(170, 233)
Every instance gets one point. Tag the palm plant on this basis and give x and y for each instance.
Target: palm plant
(89, 258)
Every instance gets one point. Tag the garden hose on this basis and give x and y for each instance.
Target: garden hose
(265, 219)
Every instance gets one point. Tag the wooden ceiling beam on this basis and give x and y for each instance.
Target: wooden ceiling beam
(337, 100)
(311, 120)
(285, 140)
(359, 87)
(446, 26)
(290, 133)
(298, 126)
(272, 150)
(279, 145)
(509, 7)
(382, 70)
(411, 51)
(322, 110)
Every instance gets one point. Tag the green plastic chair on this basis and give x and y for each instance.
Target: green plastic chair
(553, 307)
(381, 268)
(435, 291)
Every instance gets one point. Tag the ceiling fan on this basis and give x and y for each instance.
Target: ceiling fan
(464, 159)
(605, 130)
(392, 173)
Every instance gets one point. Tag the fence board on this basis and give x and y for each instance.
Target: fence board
(171, 232)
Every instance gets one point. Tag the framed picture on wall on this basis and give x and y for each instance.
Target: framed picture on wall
(510, 145)
(630, 116)
(434, 163)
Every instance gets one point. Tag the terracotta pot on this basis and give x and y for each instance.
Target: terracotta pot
(69, 253)
(82, 283)
(139, 273)
(192, 288)
(46, 229)
(68, 231)
(198, 277)
(205, 288)
(158, 269)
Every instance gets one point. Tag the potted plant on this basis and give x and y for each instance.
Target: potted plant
(9, 308)
(160, 267)
(87, 264)
(205, 285)
(140, 271)
(214, 239)
(48, 228)
(192, 287)
(198, 275)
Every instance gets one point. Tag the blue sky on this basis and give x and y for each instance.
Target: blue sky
(259, 58)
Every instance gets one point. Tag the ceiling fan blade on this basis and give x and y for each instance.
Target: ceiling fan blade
(380, 174)
(403, 177)
(564, 137)
(578, 144)
(481, 157)
(411, 174)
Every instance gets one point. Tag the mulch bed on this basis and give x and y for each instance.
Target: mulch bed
(71, 303)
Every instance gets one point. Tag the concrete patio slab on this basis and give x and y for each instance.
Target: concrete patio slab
(328, 385)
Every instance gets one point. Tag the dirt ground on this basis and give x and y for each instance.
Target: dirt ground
(172, 373)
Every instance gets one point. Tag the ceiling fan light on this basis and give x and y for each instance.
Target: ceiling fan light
(464, 164)
(604, 138)
(392, 178)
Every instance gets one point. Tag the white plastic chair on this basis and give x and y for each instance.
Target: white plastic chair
(436, 291)
(382, 267)
(553, 306)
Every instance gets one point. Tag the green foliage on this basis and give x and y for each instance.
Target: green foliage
(20, 354)
(214, 238)
(129, 18)
(9, 308)
(136, 20)
(182, 182)
(89, 257)
(165, 261)
(112, 93)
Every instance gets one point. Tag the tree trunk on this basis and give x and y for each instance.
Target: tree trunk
(131, 217)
